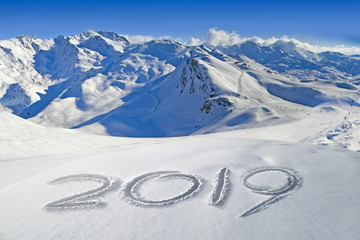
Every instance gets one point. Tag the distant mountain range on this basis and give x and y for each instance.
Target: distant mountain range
(99, 82)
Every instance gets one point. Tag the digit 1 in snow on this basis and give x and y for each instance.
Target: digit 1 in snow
(221, 187)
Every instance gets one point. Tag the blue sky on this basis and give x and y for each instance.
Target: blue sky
(321, 22)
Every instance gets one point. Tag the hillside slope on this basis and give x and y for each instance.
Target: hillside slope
(99, 82)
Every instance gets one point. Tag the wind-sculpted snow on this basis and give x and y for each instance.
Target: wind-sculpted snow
(345, 134)
(240, 119)
(345, 85)
(302, 95)
(85, 200)
(131, 190)
(293, 181)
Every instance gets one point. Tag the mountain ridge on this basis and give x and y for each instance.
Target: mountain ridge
(100, 82)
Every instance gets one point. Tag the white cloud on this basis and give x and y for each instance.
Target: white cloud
(193, 42)
(313, 48)
(164, 38)
(218, 37)
(134, 39)
(138, 38)
(346, 50)
(222, 38)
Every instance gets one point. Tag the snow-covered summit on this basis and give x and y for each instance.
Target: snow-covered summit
(255, 177)
(99, 82)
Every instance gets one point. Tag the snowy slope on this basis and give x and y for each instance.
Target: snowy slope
(20, 138)
(244, 170)
(297, 192)
(99, 82)
(288, 58)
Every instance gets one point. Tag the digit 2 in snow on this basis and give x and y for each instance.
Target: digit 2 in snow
(87, 199)
(91, 198)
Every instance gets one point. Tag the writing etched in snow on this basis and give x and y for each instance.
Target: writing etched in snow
(293, 181)
(131, 190)
(87, 199)
(221, 187)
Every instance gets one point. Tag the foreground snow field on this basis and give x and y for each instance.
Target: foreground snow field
(322, 205)
(249, 141)
(207, 182)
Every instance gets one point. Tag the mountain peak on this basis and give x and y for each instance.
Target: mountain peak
(85, 76)
(88, 34)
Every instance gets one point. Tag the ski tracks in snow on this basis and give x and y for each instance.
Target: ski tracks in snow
(157, 99)
(239, 86)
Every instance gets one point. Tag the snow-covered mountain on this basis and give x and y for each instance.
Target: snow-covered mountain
(287, 58)
(99, 82)
(255, 177)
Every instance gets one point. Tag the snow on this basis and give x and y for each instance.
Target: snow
(325, 205)
(100, 83)
(238, 142)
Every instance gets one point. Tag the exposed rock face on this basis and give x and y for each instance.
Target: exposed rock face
(99, 81)
(196, 80)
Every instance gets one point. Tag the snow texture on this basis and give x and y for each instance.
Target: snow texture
(101, 83)
(85, 199)
(276, 123)
(131, 191)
